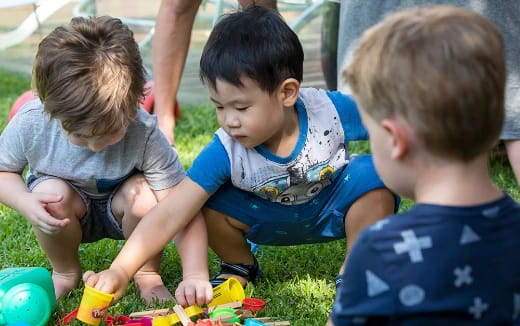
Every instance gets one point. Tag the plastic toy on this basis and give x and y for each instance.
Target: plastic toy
(229, 291)
(161, 321)
(253, 304)
(190, 312)
(149, 100)
(93, 305)
(201, 322)
(225, 314)
(252, 322)
(232, 309)
(26, 296)
(140, 322)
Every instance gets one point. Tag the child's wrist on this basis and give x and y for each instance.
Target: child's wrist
(120, 271)
(196, 276)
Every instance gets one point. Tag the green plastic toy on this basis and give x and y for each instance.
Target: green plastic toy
(26, 296)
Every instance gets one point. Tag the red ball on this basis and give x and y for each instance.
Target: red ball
(20, 101)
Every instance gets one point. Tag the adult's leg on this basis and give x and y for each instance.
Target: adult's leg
(131, 202)
(170, 49)
(61, 248)
(226, 238)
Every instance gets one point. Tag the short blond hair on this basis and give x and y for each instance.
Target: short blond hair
(89, 74)
(441, 68)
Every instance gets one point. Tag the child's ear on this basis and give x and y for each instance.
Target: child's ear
(288, 91)
(399, 137)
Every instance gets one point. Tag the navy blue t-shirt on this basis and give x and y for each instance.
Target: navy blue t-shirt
(435, 264)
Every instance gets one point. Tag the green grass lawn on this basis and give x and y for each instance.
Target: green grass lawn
(298, 280)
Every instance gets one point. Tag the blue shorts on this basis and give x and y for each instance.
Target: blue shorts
(319, 220)
(98, 222)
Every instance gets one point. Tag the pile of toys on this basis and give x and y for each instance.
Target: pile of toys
(229, 314)
(27, 299)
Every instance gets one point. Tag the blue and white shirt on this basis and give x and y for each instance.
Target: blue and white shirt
(328, 121)
(435, 265)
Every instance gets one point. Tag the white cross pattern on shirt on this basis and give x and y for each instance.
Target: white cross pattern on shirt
(379, 224)
(463, 276)
(478, 308)
(413, 245)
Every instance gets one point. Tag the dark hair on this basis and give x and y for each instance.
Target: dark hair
(89, 74)
(256, 43)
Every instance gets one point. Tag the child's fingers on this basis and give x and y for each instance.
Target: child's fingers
(45, 228)
(90, 278)
(51, 224)
(47, 218)
(194, 294)
(118, 295)
(180, 297)
(47, 224)
(108, 287)
(106, 283)
(48, 198)
(208, 293)
(202, 296)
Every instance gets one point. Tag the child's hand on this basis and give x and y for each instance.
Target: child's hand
(194, 292)
(109, 281)
(34, 208)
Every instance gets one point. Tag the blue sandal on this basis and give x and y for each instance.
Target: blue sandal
(337, 281)
(249, 272)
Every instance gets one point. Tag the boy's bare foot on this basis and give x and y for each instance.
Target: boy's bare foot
(64, 282)
(151, 287)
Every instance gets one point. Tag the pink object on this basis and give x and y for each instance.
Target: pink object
(140, 322)
(116, 320)
(21, 100)
(253, 304)
(149, 100)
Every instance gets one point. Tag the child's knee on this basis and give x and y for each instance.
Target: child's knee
(384, 199)
(217, 221)
(372, 206)
(70, 206)
(134, 197)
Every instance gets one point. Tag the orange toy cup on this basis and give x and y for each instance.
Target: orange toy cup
(93, 305)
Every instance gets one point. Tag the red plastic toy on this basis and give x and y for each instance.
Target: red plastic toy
(116, 320)
(201, 322)
(149, 100)
(253, 304)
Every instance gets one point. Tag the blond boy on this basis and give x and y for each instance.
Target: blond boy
(430, 86)
(97, 162)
